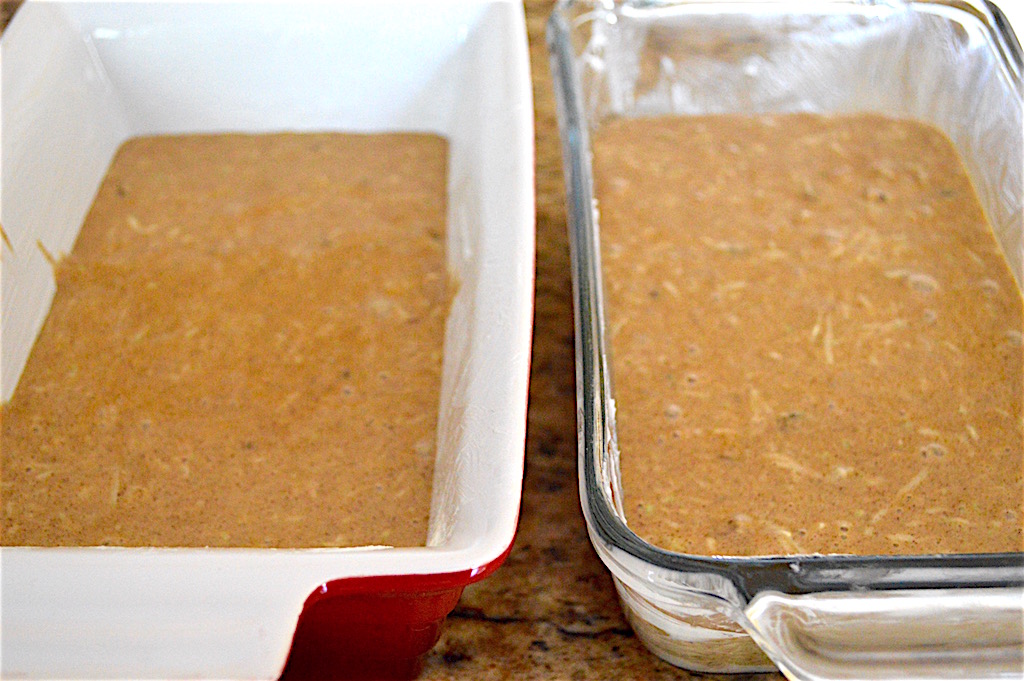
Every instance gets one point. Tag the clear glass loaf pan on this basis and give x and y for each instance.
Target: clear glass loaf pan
(955, 64)
(81, 77)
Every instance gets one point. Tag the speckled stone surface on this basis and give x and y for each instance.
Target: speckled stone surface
(550, 612)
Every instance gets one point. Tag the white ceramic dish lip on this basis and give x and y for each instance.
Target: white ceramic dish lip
(459, 68)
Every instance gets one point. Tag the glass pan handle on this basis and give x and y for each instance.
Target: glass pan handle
(928, 634)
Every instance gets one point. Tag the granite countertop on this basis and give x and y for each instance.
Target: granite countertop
(550, 612)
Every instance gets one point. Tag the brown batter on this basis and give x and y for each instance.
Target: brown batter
(244, 350)
(816, 338)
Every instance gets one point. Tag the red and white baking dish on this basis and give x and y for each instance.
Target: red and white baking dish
(78, 80)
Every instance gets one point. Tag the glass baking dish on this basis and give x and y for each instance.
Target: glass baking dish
(955, 64)
(79, 78)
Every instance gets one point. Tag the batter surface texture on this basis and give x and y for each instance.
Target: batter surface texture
(244, 350)
(816, 340)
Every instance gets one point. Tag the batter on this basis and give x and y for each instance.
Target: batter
(816, 340)
(244, 350)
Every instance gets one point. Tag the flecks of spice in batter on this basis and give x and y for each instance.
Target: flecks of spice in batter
(816, 338)
(245, 350)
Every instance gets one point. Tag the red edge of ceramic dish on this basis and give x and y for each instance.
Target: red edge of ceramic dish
(375, 627)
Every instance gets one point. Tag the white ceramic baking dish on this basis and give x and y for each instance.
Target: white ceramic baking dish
(953, 63)
(79, 79)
